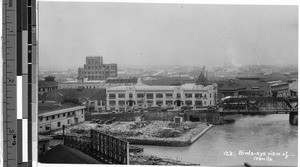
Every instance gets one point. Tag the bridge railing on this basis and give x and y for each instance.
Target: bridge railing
(109, 148)
(100, 146)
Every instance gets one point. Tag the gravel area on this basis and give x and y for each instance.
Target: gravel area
(141, 130)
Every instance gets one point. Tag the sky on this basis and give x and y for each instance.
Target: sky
(166, 34)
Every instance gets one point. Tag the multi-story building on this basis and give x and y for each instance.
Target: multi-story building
(52, 116)
(49, 84)
(145, 96)
(94, 69)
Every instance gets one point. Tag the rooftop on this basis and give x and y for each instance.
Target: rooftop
(66, 94)
(49, 107)
(46, 84)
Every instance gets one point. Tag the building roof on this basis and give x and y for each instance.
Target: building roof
(68, 94)
(48, 108)
(230, 85)
(276, 76)
(236, 84)
(51, 96)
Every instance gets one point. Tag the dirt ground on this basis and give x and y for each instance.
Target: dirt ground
(141, 130)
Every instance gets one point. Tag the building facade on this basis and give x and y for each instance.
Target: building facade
(94, 69)
(54, 116)
(145, 96)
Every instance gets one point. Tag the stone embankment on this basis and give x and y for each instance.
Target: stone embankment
(162, 133)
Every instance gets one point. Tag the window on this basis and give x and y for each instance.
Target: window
(140, 102)
(159, 102)
(69, 113)
(210, 102)
(188, 102)
(58, 115)
(140, 95)
(130, 95)
(159, 95)
(47, 118)
(112, 103)
(53, 116)
(178, 95)
(41, 127)
(169, 102)
(121, 102)
(149, 96)
(169, 95)
(112, 96)
(204, 102)
(58, 124)
(149, 102)
(64, 114)
(198, 95)
(121, 95)
(204, 95)
(198, 103)
(68, 121)
(188, 95)
(210, 95)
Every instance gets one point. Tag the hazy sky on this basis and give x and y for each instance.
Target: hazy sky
(166, 34)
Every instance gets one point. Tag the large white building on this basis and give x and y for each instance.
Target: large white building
(145, 96)
(52, 116)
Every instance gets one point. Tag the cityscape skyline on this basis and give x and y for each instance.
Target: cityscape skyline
(173, 34)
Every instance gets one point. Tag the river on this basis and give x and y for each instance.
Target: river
(257, 140)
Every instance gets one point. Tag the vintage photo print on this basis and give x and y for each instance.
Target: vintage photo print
(180, 84)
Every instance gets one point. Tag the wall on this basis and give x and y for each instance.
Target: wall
(202, 116)
(118, 116)
(163, 115)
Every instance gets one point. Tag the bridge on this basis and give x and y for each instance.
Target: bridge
(260, 106)
(102, 147)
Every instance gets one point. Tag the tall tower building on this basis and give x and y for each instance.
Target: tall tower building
(94, 69)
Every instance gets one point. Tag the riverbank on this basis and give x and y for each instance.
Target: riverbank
(144, 159)
(160, 133)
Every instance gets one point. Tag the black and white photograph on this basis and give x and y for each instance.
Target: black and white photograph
(184, 84)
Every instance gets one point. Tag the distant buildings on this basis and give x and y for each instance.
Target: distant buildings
(144, 96)
(94, 69)
(81, 83)
(253, 87)
(47, 85)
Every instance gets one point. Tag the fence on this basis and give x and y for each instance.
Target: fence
(100, 146)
